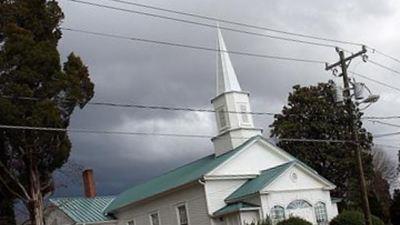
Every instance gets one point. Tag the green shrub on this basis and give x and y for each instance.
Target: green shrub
(294, 221)
(353, 218)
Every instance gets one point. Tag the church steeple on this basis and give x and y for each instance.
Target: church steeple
(232, 105)
(226, 76)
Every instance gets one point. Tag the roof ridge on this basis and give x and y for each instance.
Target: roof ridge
(83, 197)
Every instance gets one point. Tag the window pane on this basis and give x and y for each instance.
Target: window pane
(277, 214)
(321, 213)
(182, 213)
(222, 117)
(245, 117)
(154, 219)
(299, 204)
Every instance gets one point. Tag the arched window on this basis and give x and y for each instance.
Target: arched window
(320, 213)
(299, 204)
(277, 214)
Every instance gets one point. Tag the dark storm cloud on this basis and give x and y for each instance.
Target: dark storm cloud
(132, 72)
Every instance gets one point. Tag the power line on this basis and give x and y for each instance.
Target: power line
(384, 54)
(142, 106)
(171, 108)
(204, 24)
(238, 30)
(380, 117)
(174, 44)
(387, 134)
(388, 146)
(215, 19)
(384, 123)
(375, 81)
(384, 67)
(107, 132)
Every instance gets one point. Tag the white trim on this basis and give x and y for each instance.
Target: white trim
(318, 177)
(230, 177)
(223, 108)
(131, 220)
(176, 206)
(158, 216)
(232, 157)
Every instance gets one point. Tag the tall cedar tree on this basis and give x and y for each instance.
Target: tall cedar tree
(395, 208)
(312, 113)
(30, 67)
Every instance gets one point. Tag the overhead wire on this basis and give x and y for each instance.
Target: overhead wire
(174, 44)
(144, 106)
(109, 132)
(375, 81)
(384, 54)
(210, 18)
(204, 24)
(383, 66)
(237, 30)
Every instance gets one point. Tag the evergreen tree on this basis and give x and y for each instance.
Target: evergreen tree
(395, 208)
(30, 67)
(311, 113)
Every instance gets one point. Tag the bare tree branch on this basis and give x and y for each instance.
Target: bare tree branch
(24, 191)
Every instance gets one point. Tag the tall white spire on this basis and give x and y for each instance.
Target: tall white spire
(226, 76)
(233, 128)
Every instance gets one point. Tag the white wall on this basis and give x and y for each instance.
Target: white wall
(166, 206)
(54, 216)
(218, 190)
(286, 181)
(247, 217)
(257, 157)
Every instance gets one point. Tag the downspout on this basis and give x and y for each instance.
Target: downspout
(201, 181)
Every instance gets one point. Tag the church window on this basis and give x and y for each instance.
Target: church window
(155, 219)
(244, 115)
(182, 215)
(277, 214)
(299, 204)
(321, 213)
(222, 117)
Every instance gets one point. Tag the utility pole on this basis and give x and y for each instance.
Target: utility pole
(353, 128)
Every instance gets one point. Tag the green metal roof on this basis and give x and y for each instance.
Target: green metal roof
(231, 208)
(255, 185)
(173, 179)
(84, 210)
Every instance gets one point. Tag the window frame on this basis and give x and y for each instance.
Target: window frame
(304, 204)
(131, 222)
(222, 110)
(241, 115)
(178, 214)
(275, 220)
(158, 217)
(319, 214)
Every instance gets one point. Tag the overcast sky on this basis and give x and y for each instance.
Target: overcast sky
(132, 72)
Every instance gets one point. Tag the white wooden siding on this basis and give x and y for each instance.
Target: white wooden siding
(193, 196)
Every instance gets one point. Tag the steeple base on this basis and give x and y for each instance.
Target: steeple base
(233, 138)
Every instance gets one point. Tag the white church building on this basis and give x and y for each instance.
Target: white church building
(247, 179)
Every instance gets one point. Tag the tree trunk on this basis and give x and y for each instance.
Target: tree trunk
(35, 205)
(7, 215)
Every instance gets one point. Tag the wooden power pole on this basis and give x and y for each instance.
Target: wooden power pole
(343, 63)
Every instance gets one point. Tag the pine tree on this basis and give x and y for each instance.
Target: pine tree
(311, 113)
(395, 208)
(30, 67)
